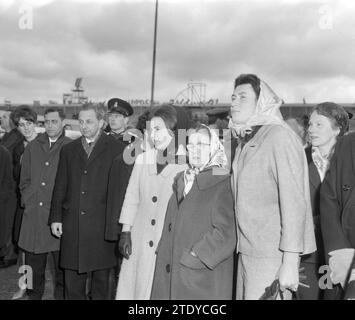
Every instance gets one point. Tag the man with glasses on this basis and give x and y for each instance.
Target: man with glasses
(79, 207)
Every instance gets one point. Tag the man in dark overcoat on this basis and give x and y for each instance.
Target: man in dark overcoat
(337, 211)
(79, 205)
(39, 166)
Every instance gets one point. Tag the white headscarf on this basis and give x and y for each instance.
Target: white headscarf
(267, 112)
(217, 158)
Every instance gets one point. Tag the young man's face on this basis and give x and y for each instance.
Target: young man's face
(53, 124)
(89, 123)
(243, 103)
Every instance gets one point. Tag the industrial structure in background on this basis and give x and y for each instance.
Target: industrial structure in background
(192, 98)
(77, 95)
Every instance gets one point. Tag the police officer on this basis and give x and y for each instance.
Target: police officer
(119, 112)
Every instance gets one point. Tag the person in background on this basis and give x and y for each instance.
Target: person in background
(271, 188)
(328, 122)
(299, 126)
(7, 193)
(79, 206)
(119, 112)
(23, 118)
(12, 136)
(145, 203)
(39, 166)
(195, 252)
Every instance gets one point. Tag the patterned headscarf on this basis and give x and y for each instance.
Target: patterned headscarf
(267, 112)
(217, 158)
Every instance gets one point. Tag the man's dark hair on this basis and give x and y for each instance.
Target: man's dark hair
(25, 112)
(55, 109)
(251, 79)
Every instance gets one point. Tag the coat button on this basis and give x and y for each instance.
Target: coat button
(154, 199)
(82, 212)
(150, 243)
(85, 172)
(169, 227)
(43, 183)
(153, 222)
(46, 164)
(167, 268)
(41, 204)
(82, 192)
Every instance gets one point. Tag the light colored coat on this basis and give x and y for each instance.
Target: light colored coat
(272, 203)
(144, 209)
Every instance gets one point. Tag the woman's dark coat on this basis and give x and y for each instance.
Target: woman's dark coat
(312, 262)
(337, 199)
(79, 202)
(337, 202)
(203, 222)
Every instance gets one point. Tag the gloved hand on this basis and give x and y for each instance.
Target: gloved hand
(125, 244)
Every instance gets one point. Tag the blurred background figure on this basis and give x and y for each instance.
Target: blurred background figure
(299, 126)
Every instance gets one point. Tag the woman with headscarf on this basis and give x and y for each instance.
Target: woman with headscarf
(144, 207)
(195, 253)
(272, 201)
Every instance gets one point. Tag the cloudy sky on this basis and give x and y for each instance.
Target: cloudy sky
(301, 48)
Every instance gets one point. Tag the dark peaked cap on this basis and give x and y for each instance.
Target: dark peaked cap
(119, 106)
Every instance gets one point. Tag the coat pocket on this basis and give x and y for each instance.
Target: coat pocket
(189, 261)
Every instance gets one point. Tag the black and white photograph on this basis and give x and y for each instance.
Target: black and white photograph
(200, 152)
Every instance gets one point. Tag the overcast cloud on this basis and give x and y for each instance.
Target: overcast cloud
(290, 44)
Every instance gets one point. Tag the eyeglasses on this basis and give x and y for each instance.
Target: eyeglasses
(196, 146)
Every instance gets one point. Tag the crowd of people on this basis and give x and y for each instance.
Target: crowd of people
(174, 210)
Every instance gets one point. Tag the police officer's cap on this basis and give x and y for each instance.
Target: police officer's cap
(116, 105)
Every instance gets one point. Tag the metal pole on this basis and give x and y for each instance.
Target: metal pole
(154, 53)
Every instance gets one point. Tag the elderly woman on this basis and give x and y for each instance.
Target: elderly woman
(272, 202)
(144, 207)
(327, 123)
(195, 254)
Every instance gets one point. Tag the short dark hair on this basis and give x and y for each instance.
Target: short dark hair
(25, 112)
(99, 109)
(336, 113)
(167, 113)
(251, 79)
(55, 109)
